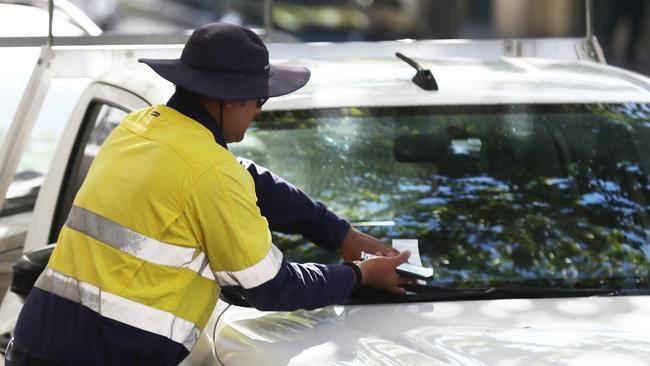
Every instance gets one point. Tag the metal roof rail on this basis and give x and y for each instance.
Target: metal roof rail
(568, 49)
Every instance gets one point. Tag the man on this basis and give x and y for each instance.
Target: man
(167, 216)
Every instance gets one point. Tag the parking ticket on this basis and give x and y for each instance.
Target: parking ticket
(412, 246)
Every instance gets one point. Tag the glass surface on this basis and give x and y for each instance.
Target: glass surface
(100, 120)
(545, 195)
(108, 117)
(57, 107)
(19, 64)
(61, 99)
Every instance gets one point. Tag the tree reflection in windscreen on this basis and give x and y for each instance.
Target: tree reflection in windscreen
(547, 195)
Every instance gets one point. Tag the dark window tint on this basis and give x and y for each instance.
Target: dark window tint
(98, 123)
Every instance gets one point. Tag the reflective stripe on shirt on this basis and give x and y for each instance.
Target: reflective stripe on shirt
(136, 244)
(255, 275)
(154, 251)
(119, 308)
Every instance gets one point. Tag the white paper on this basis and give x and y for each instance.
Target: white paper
(410, 245)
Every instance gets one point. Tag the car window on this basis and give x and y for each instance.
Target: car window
(57, 106)
(550, 195)
(98, 123)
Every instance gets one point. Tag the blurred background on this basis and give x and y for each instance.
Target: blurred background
(622, 26)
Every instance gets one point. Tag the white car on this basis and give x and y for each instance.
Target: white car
(524, 181)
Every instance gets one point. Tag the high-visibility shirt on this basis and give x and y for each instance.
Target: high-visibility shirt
(286, 208)
(164, 218)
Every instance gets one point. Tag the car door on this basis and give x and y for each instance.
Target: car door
(100, 108)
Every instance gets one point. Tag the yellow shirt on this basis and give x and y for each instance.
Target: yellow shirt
(164, 217)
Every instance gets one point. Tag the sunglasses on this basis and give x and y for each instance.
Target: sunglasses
(261, 102)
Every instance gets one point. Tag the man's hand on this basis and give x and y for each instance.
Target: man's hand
(355, 242)
(379, 272)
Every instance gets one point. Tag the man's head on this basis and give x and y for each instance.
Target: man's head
(229, 65)
(237, 116)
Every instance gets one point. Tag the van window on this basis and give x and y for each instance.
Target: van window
(99, 121)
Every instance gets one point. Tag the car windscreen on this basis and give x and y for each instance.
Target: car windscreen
(543, 195)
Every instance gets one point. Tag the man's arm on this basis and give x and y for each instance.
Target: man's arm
(289, 210)
(303, 286)
(222, 213)
(311, 285)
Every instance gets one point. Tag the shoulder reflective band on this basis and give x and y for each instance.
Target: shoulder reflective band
(136, 244)
(255, 275)
(120, 309)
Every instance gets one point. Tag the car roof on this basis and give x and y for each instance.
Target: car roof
(461, 81)
(386, 81)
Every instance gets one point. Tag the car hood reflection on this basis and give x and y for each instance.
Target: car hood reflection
(586, 331)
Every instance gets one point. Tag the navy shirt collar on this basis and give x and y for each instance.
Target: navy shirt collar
(190, 107)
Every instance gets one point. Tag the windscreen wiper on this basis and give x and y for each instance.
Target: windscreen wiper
(519, 291)
(423, 293)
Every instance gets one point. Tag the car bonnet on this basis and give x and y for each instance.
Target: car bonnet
(577, 331)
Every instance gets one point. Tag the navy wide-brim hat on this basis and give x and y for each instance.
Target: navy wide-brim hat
(228, 62)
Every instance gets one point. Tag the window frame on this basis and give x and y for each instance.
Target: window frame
(66, 194)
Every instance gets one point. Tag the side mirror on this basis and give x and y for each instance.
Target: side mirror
(27, 269)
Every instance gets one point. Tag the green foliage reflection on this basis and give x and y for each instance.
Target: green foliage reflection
(551, 195)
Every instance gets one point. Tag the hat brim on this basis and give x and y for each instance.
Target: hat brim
(280, 80)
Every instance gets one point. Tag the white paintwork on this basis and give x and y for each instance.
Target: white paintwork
(387, 82)
(203, 353)
(93, 56)
(581, 331)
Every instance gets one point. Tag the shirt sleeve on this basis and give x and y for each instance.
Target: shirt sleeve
(227, 223)
(291, 211)
(235, 237)
(303, 286)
